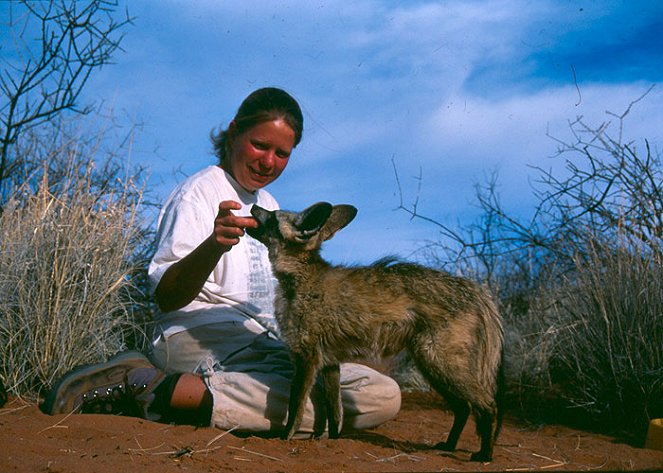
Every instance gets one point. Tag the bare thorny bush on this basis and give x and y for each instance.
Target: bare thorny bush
(55, 47)
(579, 282)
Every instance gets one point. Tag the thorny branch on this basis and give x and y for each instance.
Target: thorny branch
(609, 187)
(74, 38)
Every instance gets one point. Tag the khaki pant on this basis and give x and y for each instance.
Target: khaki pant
(249, 375)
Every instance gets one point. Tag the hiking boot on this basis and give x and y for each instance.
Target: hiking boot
(124, 385)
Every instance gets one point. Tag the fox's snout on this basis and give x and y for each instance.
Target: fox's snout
(261, 215)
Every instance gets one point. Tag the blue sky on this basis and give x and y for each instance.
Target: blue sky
(454, 90)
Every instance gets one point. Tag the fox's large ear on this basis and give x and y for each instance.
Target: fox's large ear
(341, 215)
(311, 220)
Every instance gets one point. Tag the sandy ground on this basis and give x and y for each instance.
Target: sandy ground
(33, 442)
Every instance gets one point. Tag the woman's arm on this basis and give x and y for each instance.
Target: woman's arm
(182, 281)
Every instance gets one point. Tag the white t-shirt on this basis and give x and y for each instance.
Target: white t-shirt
(241, 286)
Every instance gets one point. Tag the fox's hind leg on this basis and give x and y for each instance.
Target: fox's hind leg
(487, 426)
(461, 411)
(441, 376)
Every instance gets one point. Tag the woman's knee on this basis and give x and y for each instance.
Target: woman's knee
(387, 395)
(370, 398)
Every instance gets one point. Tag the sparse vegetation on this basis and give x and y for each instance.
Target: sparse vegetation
(74, 244)
(594, 353)
(73, 256)
(579, 282)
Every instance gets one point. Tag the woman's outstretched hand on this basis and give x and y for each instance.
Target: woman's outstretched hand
(228, 227)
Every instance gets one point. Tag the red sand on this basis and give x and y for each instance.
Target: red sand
(34, 442)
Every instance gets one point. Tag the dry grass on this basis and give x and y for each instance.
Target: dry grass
(594, 349)
(580, 280)
(68, 276)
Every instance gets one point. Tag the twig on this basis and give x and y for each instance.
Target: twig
(555, 464)
(242, 449)
(9, 411)
(221, 435)
(546, 458)
(188, 451)
(145, 452)
(598, 467)
(57, 424)
(207, 450)
(145, 449)
(398, 455)
(545, 467)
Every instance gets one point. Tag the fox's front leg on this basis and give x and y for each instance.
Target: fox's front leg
(331, 378)
(300, 390)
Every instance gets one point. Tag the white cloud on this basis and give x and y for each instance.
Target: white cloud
(470, 136)
(514, 126)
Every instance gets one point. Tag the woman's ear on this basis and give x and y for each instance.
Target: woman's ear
(232, 127)
(231, 134)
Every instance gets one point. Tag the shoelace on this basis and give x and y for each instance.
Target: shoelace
(119, 400)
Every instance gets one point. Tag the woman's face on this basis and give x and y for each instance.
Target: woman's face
(259, 155)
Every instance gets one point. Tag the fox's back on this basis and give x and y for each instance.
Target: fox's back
(389, 284)
(376, 309)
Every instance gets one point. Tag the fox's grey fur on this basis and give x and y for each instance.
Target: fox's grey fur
(329, 315)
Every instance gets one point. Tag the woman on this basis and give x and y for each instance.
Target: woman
(216, 356)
